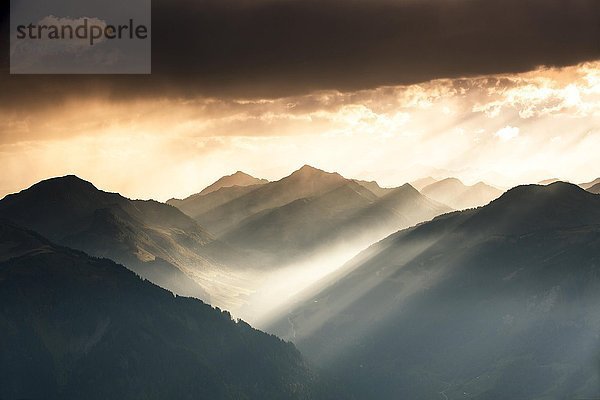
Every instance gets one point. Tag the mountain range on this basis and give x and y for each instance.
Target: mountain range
(594, 189)
(459, 196)
(220, 192)
(419, 184)
(588, 185)
(77, 327)
(269, 225)
(308, 217)
(237, 179)
(493, 302)
(157, 241)
(490, 303)
(303, 183)
(349, 214)
(305, 211)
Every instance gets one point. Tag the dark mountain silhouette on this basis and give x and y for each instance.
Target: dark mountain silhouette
(155, 240)
(496, 302)
(350, 215)
(457, 195)
(76, 327)
(588, 185)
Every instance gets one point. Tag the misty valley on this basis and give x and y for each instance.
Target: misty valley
(313, 286)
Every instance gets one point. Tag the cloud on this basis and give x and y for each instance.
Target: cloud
(275, 48)
(393, 134)
(507, 133)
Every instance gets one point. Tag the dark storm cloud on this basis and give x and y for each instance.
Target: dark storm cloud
(280, 47)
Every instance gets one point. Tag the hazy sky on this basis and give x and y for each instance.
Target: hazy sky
(390, 90)
(503, 129)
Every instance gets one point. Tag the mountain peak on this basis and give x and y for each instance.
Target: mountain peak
(451, 180)
(529, 207)
(409, 188)
(58, 187)
(239, 178)
(312, 172)
(553, 188)
(454, 193)
(310, 169)
(241, 174)
(67, 181)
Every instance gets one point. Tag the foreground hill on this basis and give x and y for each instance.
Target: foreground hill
(155, 240)
(459, 196)
(498, 302)
(75, 327)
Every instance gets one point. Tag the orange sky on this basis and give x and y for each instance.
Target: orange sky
(505, 130)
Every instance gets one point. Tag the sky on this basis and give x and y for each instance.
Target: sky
(506, 92)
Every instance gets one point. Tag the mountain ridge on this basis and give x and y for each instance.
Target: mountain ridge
(348, 214)
(238, 178)
(155, 240)
(480, 301)
(594, 189)
(304, 182)
(588, 185)
(454, 193)
(104, 332)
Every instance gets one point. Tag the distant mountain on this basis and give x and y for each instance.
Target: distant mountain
(457, 195)
(498, 302)
(588, 185)
(419, 184)
(200, 204)
(303, 225)
(349, 214)
(374, 188)
(76, 327)
(238, 179)
(594, 189)
(222, 191)
(155, 240)
(303, 183)
(549, 181)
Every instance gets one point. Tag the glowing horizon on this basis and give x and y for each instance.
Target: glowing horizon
(504, 130)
